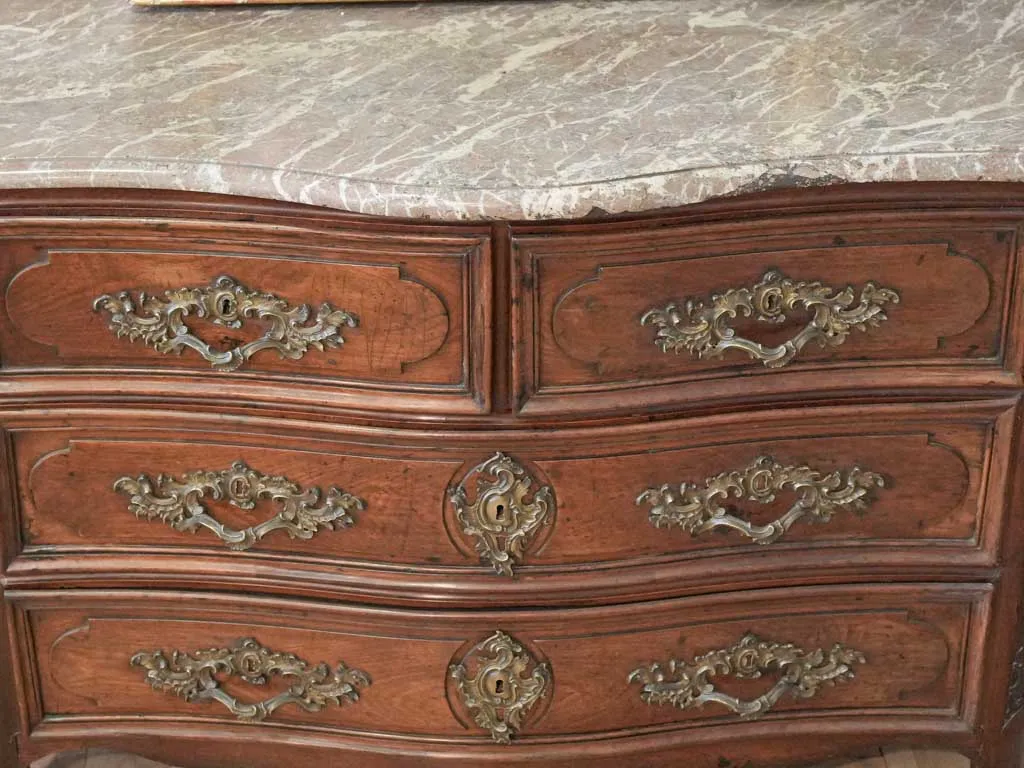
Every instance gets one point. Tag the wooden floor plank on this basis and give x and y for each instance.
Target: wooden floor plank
(900, 758)
(924, 758)
(868, 762)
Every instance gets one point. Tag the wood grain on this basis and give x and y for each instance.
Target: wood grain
(582, 297)
(83, 642)
(524, 338)
(900, 758)
(419, 302)
(940, 509)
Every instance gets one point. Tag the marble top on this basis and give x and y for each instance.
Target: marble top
(509, 109)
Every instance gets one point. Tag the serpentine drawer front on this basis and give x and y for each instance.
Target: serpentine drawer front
(609, 321)
(923, 482)
(727, 486)
(512, 677)
(384, 314)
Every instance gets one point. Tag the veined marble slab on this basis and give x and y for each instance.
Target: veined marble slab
(509, 110)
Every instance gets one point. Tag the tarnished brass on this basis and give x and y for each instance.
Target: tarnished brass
(801, 673)
(501, 519)
(161, 322)
(499, 683)
(699, 510)
(192, 676)
(179, 503)
(703, 328)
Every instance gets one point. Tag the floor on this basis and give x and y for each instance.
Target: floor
(903, 758)
(909, 758)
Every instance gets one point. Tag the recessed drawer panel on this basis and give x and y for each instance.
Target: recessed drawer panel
(514, 677)
(520, 516)
(659, 317)
(233, 304)
(223, 492)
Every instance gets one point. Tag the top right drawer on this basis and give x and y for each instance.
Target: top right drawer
(613, 319)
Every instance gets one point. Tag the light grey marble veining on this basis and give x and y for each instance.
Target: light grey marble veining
(510, 110)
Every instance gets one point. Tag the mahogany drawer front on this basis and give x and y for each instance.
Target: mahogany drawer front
(591, 514)
(884, 649)
(604, 321)
(361, 317)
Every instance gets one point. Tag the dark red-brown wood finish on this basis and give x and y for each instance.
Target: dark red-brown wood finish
(426, 488)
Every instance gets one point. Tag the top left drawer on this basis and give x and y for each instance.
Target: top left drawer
(173, 308)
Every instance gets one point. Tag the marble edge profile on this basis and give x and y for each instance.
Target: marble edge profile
(451, 202)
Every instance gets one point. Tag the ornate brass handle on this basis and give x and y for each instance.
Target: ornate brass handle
(687, 685)
(192, 677)
(179, 503)
(501, 519)
(698, 510)
(499, 682)
(161, 322)
(703, 329)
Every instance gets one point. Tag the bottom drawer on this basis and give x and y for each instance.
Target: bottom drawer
(261, 672)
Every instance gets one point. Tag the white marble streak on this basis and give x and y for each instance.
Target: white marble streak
(509, 109)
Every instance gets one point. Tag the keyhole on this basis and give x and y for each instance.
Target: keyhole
(239, 487)
(225, 305)
(499, 514)
(499, 687)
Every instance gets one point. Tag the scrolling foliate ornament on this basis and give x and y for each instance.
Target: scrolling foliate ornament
(801, 673)
(702, 327)
(502, 519)
(160, 322)
(193, 677)
(179, 503)
(499, 682)
(699, 510)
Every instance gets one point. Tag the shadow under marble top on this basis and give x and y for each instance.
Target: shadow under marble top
(509, 110)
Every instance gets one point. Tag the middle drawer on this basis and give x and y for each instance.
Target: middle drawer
(521, 516)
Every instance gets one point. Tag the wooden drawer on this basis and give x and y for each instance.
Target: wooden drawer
(340, 318)
(885, 300)
(566, 677)
(590, 514)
